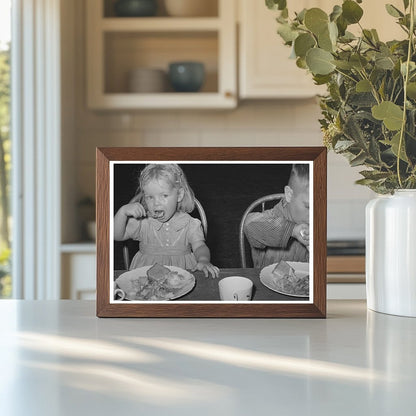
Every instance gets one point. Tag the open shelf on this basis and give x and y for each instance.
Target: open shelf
(118, 45)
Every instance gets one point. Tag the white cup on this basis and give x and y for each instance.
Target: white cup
(235, 288)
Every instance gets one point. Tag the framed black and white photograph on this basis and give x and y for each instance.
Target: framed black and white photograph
(211, 232)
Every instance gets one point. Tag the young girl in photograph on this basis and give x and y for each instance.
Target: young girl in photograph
(158, 217)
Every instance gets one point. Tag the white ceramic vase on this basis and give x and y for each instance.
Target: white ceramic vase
(391, 253)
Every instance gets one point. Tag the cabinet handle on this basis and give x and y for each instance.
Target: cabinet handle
(229, 94)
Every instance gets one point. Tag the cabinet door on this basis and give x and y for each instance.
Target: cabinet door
(78, 276)
(265, 69)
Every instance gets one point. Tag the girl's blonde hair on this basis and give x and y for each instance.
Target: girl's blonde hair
(173, 175)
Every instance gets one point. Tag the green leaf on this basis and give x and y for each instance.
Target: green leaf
(319, 61)
(358, 61)
(281, 19)
(316, 20)
(384, 62)
(325, 42)
(391, 114)
(406, 4)
(343, 145)
(303, 43)
(363, 86)
(333, 32)
(321, 79)
(351, 11)
(301, 63)
(362, 99)
(353, 130)
(287, 33)
(374, 150)
(412, 67)
(411, 90)
(368, 36)
(358, 160)
(374, 174)
(394, 143)
(375, 35)
(276, 4)
(393, 11)
(301, 15)
(342, 25)
(345, 65)
(336, 12)
(347, 37)
(382, 89)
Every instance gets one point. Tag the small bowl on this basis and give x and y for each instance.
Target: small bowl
(147, 80)
(186, 76)
(135, 8)
(191, 8)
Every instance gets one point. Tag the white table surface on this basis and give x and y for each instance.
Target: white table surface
(57, 358)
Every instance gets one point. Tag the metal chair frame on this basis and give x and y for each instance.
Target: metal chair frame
(260, 201)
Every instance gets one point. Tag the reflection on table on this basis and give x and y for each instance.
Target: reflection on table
(206, 288)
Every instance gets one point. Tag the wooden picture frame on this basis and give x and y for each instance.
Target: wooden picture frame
(217, 175)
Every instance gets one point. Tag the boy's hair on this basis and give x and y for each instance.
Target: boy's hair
(299, 172)
(172, 174)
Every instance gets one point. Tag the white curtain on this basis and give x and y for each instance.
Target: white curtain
(36, 137)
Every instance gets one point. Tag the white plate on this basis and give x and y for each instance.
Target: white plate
(266, 276)
(124, 280)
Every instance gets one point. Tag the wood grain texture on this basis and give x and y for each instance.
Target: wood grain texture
(317, 309)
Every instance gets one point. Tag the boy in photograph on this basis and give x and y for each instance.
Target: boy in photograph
(282, 233)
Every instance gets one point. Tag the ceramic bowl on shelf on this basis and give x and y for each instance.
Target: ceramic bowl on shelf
(186, 76)
(191, 8)
(147, 80)
(135, 8)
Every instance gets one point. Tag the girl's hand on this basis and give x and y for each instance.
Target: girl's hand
(135, 210)
(301, 233)
(207, 268)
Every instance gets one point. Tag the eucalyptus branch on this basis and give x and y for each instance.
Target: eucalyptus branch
(398, 95)
(346, 75)
(392, 91)
(373, 88)
(405, 81)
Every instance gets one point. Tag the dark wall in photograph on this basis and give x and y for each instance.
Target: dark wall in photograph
(224, 190)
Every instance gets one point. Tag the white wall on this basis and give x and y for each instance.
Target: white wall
(253, 123)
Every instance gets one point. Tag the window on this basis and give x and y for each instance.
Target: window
(5, 159)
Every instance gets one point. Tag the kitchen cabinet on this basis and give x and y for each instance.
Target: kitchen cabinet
(265, 67)
(78, 264)
(346, 277)
(265, 70)
(118, 45)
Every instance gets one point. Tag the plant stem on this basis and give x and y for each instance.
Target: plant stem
(346, 75)
(405, 81)
(373, 88)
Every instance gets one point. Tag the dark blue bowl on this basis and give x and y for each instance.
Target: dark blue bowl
(186, 76)
(135, 8)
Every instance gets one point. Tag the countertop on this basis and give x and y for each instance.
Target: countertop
(57, 358)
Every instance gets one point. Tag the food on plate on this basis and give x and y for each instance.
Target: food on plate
(285, 280)
(176, 280)
(158, 272)
(158, 283)
(283, 269)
